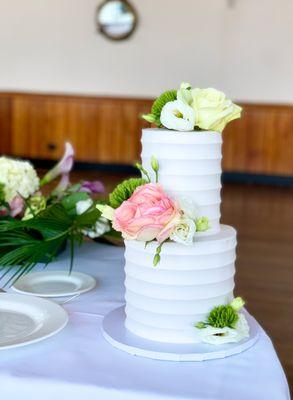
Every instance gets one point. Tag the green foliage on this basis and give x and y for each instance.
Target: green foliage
(2, 194)
(223, 316)
(124, 190)
(26, 242)
(166, 97)
(155, 115)
(69, 202)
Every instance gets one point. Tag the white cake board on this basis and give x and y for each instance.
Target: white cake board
(114, 331)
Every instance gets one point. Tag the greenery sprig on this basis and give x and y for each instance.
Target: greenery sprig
(155, 115)
(124, 190)
(24, 243)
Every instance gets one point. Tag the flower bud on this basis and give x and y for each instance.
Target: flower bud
(202, 224)
(200, 325)
(154, 164)
(156, 260)
(237, 303)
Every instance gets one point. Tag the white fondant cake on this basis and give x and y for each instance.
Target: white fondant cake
(164, 303)
(190, 167)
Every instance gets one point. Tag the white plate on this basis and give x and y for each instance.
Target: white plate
(25, 320)
(114, 331)
(54, 283)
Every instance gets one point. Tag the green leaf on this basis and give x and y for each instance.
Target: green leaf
(155, 116)
(124, 190)
(2, 193)
(151, 118)
(28, 255)
(88, 218)
(69, 202)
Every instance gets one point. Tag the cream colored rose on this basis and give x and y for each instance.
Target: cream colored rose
(184, 231)
(213, 111)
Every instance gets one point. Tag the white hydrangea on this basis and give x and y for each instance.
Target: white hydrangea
(18, 177)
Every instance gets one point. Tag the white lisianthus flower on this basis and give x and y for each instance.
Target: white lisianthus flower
(184, 231)
(18, 177)
(101, 227)
(178, 116)
(213, 111)
(217, 336)
(83, 205)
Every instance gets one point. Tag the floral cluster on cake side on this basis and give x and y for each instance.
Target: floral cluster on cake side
(189, 109)
(142, 210)
(225, 324)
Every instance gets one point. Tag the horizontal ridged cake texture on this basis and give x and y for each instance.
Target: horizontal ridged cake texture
(190, 167)
(163, 303)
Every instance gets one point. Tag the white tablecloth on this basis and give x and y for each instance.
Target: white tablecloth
(78, 363)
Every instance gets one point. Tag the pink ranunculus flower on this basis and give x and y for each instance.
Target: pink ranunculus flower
(147, 215)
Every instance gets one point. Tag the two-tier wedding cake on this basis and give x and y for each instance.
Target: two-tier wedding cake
(179, 259)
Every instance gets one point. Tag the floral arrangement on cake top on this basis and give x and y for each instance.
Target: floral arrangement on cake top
(34, 227)
(142, 211)
(189, 109)
(225, 324)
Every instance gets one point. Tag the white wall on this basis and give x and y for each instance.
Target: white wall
(246, 49)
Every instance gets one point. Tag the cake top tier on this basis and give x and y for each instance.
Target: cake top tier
(188, 109)
(189, 167)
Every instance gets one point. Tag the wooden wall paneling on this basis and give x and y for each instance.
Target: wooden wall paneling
(107, 130)
(38, 126)
(280, 147)
(5, 124)
(261, 141)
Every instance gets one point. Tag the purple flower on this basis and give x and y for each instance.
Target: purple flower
(92, 187)
(62, 185)
(63, 167)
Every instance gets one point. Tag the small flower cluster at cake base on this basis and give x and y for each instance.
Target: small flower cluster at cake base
(189, 109)
(141, 210)
(225, 324)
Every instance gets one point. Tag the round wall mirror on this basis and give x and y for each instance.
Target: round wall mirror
(116, 19)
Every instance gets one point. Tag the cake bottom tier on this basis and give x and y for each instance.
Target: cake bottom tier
(164, 303)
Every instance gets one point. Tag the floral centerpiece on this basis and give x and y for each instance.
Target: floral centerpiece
(189, 109)
(34, 227)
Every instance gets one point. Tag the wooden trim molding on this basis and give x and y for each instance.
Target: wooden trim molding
(5, 124)
(107, 130)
